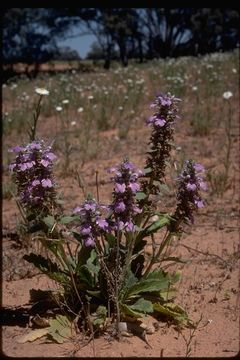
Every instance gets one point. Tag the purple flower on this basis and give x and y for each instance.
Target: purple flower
(36, 183)
(17, 149)
(130, 226)
(92, 224)
(134, 187)
(102, 224)
(128, 165)
(90, 206)
(191, 187)
(89, 241)
(120, 188)
(77, 210)
(45, 163)
(47, 183)
(136, 209)
(86, 229)
(190, 184)
(203, 185)
(151, 120)
(12, 166)
(23, 166)
(124, 204)
(35, 145)
(198, 167)
(119, 207)
(30, 169)
(51, 156)
(199, 203)
(160, 122)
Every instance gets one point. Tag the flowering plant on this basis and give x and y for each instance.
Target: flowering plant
(101, 263)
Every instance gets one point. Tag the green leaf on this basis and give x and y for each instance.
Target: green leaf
(130, 280)
(49, 221)
(33, 335)
(68, 219)
(165, 220)
(149, 285)
(85, 276)
(168, 294)
(47, 267)
(83, 256)
(60, 329)
(126, 310)
(95, 293)
(172, 310)
(175, 277)
(101, 311)
(111, 240)
(142, 305)
(140, 195)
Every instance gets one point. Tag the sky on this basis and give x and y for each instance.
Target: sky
(81, 43)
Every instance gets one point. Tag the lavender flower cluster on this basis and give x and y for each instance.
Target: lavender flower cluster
(124, 204)
(165, 114)
(188, 196)
(120, 213)
(32, 173)
(92, 222)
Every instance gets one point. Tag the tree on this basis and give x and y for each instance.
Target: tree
(30, 34)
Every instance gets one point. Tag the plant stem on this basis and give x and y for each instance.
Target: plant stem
(33, 128)
(154, 259)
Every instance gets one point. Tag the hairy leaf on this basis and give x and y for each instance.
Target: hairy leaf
(156, 281)
(142, 305)
(32, 335)
(126, 310)
(171, 310)
(60, 329)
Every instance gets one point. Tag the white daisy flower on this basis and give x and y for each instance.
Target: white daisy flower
(227, 95)
(59, 108)
(42, 91)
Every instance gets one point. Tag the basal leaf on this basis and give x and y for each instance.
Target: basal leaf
(126, 310)
(148, 285)
(171, 310)
(32, 335)
(60, 329)
(95, 293)
(142, 305)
